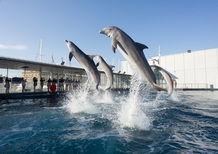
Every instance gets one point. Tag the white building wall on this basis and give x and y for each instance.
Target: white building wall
(197, 69)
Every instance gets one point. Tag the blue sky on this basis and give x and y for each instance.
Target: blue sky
(175, 26)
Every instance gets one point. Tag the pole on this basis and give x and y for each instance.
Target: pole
(7, 71)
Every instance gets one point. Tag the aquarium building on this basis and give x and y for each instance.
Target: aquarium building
(192, 69)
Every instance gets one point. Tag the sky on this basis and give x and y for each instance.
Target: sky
(176, 26)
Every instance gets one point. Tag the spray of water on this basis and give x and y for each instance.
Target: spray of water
(134, 110)
(79, 100)
(174, 96)
(104, 97)
(131, 114)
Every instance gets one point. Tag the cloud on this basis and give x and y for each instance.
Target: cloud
(13, 47)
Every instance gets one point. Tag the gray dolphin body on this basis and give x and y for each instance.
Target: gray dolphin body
(132, 51)
(84, 60)
(108, 71)
(167, 77)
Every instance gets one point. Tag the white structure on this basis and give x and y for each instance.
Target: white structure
(194, 69)
(125, 67)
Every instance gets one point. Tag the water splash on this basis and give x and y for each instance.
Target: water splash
(174, 96)
(104, 97)
(131, 114)
(79, 100)
(134, 110)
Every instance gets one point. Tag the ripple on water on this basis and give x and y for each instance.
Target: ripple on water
(134, 123)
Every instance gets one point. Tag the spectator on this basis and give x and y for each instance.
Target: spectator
(48, 84)
(42, 83)
(74, 84)
(23, 82)
(70, 84)
(53, 88)
(35, 80)
(67, 82)
(61, 84)
(7, 85)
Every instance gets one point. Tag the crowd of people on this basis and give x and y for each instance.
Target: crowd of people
(53, 85)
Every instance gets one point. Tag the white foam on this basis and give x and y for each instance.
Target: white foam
(79, 101)
(174, 96)
(104, 98)
(133, 111)
(131, 114)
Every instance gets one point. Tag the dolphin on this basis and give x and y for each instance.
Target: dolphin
(132, 51)
(107, 69)
(167, 77)
(84, 60)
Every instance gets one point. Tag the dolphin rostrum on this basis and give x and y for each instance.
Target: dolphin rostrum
(84, 60)
(107, 69)
(132, 51)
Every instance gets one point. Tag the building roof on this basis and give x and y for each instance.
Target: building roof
(20, 64)
(188, 52)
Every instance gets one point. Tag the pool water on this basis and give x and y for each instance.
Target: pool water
(139, 122)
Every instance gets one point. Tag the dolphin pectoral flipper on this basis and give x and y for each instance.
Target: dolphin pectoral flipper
(70, 56)
(114, 45)
(97, 64)
(140, 46)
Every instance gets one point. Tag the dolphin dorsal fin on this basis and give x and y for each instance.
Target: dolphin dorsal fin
(92, 56)
(140, 46)
(111, 66)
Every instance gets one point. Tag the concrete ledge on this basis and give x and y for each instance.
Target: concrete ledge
(196, 89)
(26, 95)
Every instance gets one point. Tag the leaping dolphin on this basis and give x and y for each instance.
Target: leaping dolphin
(84, 60)
(107, 69)
(132, 51)
(167, 78)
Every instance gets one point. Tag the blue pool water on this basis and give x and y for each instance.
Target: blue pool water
(112, 123)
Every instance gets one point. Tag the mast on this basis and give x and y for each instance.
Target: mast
(39, 53)
(159, 55)
(40, 50)
(52, 58)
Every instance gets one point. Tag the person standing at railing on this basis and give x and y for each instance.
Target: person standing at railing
(61, 84)
(53, 88)
(41, 83)
(48, 84)
(23, 83)
(35, 80)
(7, 85)
(67, 82)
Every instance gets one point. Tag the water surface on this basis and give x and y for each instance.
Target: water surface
(112, 123)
